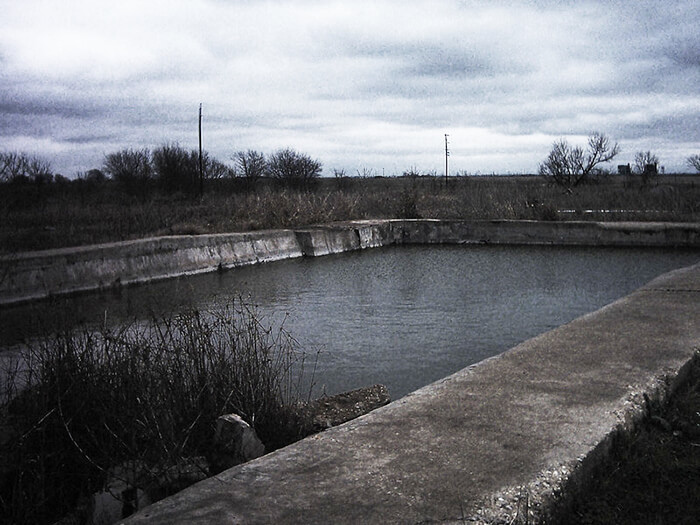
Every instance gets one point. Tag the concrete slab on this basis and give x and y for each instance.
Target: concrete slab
(38, 275)
(527, 421)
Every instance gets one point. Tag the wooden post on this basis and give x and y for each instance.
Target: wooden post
(447, 154)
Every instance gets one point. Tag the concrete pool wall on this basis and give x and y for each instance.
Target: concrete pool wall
(497, 442)
(493, 443)
(37, 275)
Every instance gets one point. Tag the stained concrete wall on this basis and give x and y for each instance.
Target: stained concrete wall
(493, 443)
(531, 421)
(555, 233)
(36, 275)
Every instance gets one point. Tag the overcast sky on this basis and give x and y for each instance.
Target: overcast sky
(359, 85)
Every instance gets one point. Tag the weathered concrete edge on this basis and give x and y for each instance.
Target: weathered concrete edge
(38, 275)
(551, 493)
(560, 473)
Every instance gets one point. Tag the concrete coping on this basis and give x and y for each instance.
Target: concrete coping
(519, 427)
(38, 275)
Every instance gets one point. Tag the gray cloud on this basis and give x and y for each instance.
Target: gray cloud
(685, 54)
(38, 107)
(680, 128)
(89, 139)
(368, 83)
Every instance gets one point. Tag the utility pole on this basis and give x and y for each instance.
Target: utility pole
(201, 167)
(447, 154)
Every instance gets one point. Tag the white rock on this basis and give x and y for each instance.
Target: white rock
(236, 441)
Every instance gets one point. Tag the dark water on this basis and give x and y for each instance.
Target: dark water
(403, 316)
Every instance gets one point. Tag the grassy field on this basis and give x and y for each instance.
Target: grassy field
(35, 217)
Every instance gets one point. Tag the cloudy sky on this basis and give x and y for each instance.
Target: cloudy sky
(369, 86)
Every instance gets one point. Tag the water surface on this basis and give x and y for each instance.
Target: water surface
(401, 316)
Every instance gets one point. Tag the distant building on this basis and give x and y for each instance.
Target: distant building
(624, 169)
(650, 170)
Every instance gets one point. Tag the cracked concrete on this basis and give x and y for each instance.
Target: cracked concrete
(531, 421)
(37, 275)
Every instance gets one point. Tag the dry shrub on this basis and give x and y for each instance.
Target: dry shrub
(73, 214)
(149, 393)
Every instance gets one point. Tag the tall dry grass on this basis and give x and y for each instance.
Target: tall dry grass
(72, 214)
(84, 402)
(651, 475)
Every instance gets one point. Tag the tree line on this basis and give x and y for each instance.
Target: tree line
(569, 166)
(173, 168)
(170, 168)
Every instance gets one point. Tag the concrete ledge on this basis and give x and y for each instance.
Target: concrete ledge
(557, 233)
(531, 421)
(37, 275)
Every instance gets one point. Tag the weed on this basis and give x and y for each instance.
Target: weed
(84, 402)
(652, 475)
(77, 213)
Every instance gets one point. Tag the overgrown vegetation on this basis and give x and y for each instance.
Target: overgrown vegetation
(81, 403)
(570, 166)
(34, 217)
(171, 190)
(652, 476)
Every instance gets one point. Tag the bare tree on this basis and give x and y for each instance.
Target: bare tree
(39, 170)
(293, 167)
(132, 169)
(642, 159)
(176, 169)
(18, 166)
(694, 162)
(215, 169)
(251, 164)
(570, 165)
(12, 165)
(646, 166)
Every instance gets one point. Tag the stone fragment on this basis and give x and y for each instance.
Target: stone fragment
(334, 410)
(121, 496)
(235, 442)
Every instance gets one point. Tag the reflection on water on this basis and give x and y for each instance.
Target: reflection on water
(403, 316)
